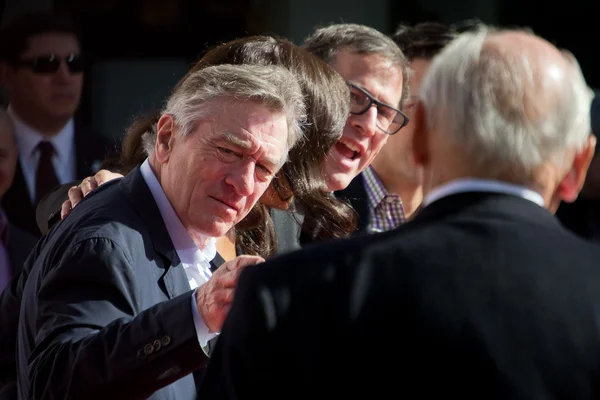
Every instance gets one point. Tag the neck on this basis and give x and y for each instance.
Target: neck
(47, 126)
(200, 240)
(438, 176)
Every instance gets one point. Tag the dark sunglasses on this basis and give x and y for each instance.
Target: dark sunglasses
(389, 119)
(51, 63)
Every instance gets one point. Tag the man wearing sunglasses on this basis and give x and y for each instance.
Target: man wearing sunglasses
(43, 75)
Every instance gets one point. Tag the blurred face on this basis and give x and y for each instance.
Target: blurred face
(362, 140)
(396, 157)
(215, 175)
(46, 94)
(8, 155)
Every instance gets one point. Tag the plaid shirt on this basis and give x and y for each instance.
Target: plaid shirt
(387, 211)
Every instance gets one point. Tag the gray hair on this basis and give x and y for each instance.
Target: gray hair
(493, 104)
(273, 86)
(327, 42)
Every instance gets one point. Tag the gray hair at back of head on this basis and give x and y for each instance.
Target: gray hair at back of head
(273, 86)
(488, 103)
(327, 42)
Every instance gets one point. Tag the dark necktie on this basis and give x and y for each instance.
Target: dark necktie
(45, 178)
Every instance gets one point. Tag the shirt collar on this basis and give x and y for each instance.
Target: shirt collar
(482, 185)
(187, 250)
(374, 187)
(28, 138)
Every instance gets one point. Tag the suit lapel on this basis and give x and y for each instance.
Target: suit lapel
(216, 262)
(174, 280)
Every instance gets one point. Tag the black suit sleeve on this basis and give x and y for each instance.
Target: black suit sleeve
(90, 335)
(240, 357)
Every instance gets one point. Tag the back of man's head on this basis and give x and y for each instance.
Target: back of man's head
(424, 40)
(508, 103)
(15, 36)
(327, 42)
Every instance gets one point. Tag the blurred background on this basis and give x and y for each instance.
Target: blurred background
(136, 50)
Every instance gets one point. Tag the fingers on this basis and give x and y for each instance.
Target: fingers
(104, 176)
(65, 209)
(228, 274)
(242, 262)
(75, 196)
(87, 185)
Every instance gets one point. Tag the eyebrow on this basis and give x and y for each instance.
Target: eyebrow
(247, 144)
(371, 94)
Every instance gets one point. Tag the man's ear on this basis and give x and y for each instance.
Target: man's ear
(573, 181)
(420, 137)
(165, 136)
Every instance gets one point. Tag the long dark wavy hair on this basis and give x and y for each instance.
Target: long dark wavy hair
(327, 101)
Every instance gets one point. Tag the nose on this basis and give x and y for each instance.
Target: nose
(242, 179)
(63, 74)
(366, 123)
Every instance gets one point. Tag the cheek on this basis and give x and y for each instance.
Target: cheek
(7, 172)
(41, 87)
(377, 144)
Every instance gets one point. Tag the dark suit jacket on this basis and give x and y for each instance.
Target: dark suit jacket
(481, 296)
(90, 149)
(582, 217)
(20, 244)
(106, 310)
(356, 195)
(10, 304)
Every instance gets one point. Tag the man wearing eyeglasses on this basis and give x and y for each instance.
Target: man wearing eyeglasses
(43, 75)
(376, 72)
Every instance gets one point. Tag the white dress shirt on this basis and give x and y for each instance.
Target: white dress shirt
(482, 185)
(29, 156)
(195, 261)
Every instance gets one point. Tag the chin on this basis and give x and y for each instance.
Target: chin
(338, 183)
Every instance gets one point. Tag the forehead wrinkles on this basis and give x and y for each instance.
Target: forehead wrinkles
(381, 81)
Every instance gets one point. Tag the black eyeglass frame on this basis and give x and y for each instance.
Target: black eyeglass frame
(378, 104)
(74, 62)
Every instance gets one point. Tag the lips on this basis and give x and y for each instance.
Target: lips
(63, 97)
(227, 203)
(348, 149)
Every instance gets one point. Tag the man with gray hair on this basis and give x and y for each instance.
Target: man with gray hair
(119, 303)
(483, 294)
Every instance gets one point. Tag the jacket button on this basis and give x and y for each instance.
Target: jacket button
(156, 345)
(141, 354)
(165, 341)
(148, 349)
